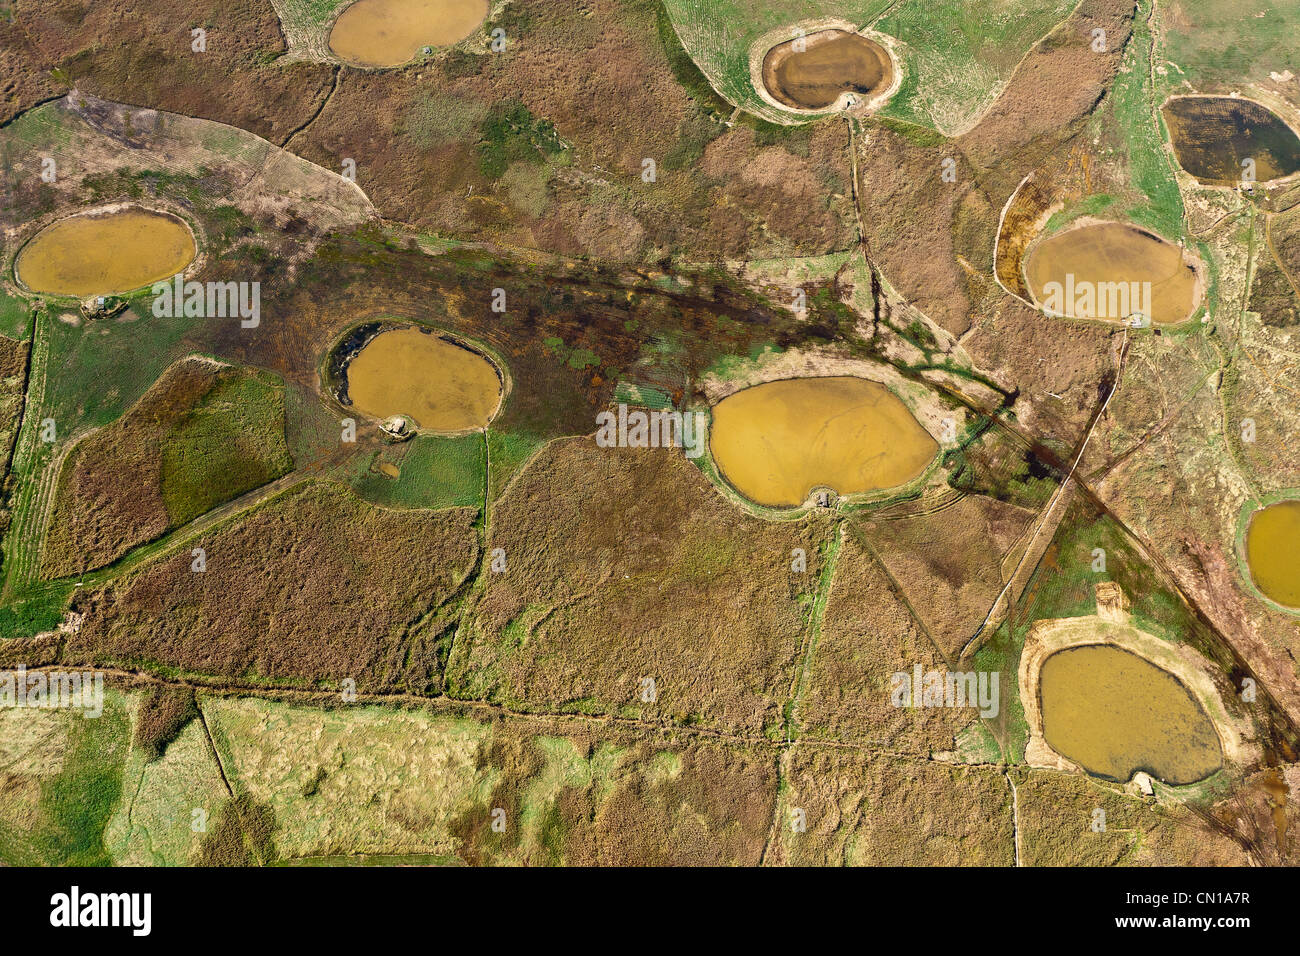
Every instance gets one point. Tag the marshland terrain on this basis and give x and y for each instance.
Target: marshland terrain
(362, 583)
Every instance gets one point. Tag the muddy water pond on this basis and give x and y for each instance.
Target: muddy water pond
(1115, 713)
(1273, 552)
(1110, 271)
(812, 72)
(442, 385)
(778, 441)
(1214, 135)
(392, 32)
(105, 253)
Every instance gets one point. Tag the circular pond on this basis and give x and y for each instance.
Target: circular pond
(1114, 713)
(442, 385)
(1272, 539)
(105, 253)
(1110, 271)
(813, 72)
(392, 32)
(778, 441)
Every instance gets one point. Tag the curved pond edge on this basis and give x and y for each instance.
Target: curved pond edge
(493, 8)
(1194, 259)
(1112, 626)
(33, 228)
(1278, 107)
(349, 343)
(837, 503)
(1248, 511)
(759, 49)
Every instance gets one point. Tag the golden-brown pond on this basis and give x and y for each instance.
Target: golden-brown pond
(105, 253)
(1115, 713)
(812, 72)
(392, 32)
(1110, 271)
(778, 441)
(444, 386)
(1273, 552)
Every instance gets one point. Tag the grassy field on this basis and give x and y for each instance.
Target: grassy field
(62, 784)
(868, 634)
(31, 470)
(949, 562)
(95, 377)
(1056, 812)
(311, 587)
(1217, 45)
(957, 56)
(13, 383)
(204, 434)
(869, 811)
(154, 824)
(320, 773)
(15, 317)
(509, 451)
(306, 12)
(961, 54)
(577, 620)
(395, 783)
(230, 442)
(434, 472)
(35, 615)
(1133, 108)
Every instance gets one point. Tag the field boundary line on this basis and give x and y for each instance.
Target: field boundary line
(1056, 496)
(812, 634)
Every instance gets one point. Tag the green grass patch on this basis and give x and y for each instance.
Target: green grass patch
(959, 55)
(686, 72)
(15, 317)
(1225, 43)
(231, 442)
(1001, 653)
(32, 616)
(735, 366)
(434, 119)
(308, 13)
(1064, 586)
(1142, 136)
(643, 396)
(99, 376)
(434, 472)
(1093, 205)
(509, 451)
(575, 358)
(76, 804)
(511, 134)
